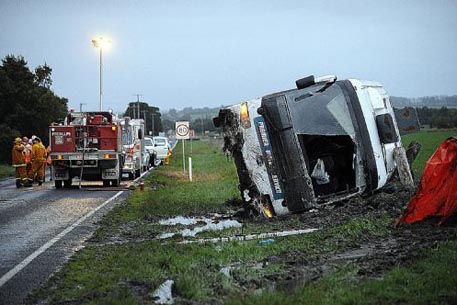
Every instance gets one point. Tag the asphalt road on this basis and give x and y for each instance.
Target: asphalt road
(41, 227)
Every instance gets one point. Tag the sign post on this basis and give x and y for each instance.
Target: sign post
(182, 133)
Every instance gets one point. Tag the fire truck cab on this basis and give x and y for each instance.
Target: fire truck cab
(88, 145)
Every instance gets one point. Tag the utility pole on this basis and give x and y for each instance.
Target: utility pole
(138, 107)
(144, 117)
(81, 106)
(152, 120)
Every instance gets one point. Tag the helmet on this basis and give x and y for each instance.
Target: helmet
(17, 140)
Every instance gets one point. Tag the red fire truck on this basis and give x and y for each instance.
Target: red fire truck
(88, 145)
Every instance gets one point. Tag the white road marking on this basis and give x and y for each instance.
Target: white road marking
(10, 274)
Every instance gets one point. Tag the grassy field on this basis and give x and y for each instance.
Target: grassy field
(6, 171)
(430, 140)
(125, 261)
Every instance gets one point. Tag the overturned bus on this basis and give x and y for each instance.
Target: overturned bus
(325, 141)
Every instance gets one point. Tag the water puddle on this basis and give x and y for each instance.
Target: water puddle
(210, 224)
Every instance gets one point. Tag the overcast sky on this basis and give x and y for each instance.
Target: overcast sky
(208, 53)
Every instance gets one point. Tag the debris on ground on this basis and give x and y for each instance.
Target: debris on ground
(163, 294)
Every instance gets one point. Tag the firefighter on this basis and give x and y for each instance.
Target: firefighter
(38, 161)
(19, 162)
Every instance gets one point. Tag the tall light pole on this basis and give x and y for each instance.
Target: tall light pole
(101, 43)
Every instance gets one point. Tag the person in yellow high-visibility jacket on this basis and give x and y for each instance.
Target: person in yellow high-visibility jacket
(38, 161)
(167, 158)
(19, 162)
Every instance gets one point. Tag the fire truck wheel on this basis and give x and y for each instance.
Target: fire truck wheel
(131, 176)
(105, 183)
(67, 183)
(58, 184)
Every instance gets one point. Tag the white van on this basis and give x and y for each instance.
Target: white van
(161, 147)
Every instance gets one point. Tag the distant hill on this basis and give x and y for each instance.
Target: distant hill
(191, 114)
(201, 119)
(426, 101)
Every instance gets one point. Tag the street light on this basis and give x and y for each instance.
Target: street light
(101, 43)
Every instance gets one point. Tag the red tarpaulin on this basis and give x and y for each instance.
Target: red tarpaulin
(436, 194)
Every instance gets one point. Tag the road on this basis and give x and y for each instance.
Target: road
(41, 227)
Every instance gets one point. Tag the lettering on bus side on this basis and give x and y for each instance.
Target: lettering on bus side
(267, 153)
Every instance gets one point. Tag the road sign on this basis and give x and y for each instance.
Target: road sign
(182, 130)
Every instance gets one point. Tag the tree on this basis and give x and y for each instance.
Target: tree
(151, 115)
(27, 103)
(43, 76)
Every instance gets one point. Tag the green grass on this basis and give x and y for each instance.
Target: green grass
(212, 185)
(430, 140)
(6, 171)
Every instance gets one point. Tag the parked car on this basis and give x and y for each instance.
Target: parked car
(161, 146)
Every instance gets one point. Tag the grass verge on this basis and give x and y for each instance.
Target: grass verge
(6, 171)
(430, 140)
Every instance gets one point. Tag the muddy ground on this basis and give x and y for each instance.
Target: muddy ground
(373, 256)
